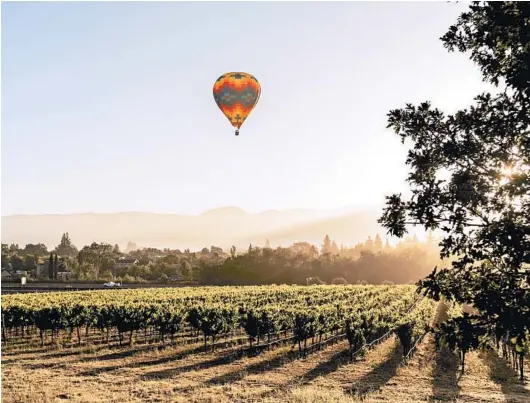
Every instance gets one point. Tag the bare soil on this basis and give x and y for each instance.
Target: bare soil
(151, 373)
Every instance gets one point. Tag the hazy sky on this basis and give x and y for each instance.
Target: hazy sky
(108, 106)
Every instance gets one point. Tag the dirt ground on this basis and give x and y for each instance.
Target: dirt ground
(148, 373)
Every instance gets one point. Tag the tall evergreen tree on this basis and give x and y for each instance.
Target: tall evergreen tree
(55, 268)
(65, 247)
(430, 238)
(378, 243)
(326, 246)
(369, 244)
(50, 267)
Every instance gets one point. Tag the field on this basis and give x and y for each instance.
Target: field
(300, 344)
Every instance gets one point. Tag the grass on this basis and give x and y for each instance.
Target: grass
(147, 373)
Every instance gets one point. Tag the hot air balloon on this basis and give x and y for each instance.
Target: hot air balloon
(236, 94)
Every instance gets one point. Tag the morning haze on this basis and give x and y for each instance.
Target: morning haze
(222, 227)
(108, 107)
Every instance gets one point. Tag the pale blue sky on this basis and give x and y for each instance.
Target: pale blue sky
(108, 106)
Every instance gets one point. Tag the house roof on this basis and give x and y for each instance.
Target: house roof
(47, 261)
(127, 260)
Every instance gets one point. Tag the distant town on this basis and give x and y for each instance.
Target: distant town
(371, 261)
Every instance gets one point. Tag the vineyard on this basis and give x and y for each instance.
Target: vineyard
(220, 343)
(255, 317)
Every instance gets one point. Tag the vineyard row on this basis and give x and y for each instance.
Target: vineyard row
(309, 317)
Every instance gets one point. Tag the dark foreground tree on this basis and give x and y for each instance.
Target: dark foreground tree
(470, 176)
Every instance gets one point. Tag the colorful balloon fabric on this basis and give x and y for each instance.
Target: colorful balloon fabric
(236, 94)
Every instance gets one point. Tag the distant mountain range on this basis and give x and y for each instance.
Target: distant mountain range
(221, 227)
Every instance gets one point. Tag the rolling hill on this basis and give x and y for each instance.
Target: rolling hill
(222, 227)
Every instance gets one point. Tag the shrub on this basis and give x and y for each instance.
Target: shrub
(128, 279)
(314, 281)
(339, 281)
(361, 282)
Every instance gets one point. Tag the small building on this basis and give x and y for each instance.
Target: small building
(126, 262)
(13, 275)
(64, 275)
(43, 268)
(175, 278)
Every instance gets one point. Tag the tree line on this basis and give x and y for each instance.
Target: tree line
(303, 263)
(372, 261)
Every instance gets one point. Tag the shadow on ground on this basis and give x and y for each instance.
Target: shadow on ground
(261, 367)
(445, 376)
(504, 375)
(327, 367)
(379, 376)
(172, 372)
(148, 363)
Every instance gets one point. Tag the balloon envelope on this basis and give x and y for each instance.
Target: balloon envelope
(236, 94)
